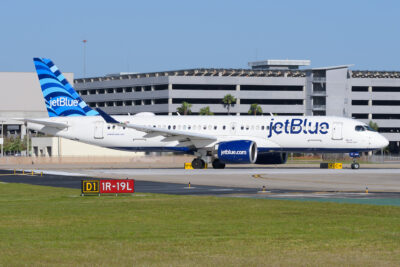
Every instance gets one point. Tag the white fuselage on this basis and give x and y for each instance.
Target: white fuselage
(271, 133)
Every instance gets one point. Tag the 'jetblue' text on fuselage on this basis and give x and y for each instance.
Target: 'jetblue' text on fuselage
(297, 126)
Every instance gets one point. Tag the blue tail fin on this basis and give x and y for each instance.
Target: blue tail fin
(61, 98)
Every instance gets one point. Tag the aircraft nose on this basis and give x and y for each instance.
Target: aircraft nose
(382, 141)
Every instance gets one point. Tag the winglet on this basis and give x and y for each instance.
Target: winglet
(106, 117)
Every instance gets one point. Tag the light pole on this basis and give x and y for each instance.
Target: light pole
(84, 58)
(2, 138)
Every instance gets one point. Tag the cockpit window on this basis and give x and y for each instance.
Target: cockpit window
(369, 128)
(360, 128)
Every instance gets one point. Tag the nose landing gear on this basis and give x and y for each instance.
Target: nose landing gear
(355, 165)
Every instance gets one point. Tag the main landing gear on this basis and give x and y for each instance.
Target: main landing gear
(217, 164)
(198, 163)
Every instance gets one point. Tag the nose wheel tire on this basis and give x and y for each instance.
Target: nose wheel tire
(355, 165)
(198, 164)
(217, 164)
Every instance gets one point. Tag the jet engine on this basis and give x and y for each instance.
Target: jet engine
(239, 151)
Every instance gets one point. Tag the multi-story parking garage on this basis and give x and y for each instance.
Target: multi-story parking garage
(279, 86)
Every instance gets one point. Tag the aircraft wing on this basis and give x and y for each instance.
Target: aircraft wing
(170, 135)
(57, 125)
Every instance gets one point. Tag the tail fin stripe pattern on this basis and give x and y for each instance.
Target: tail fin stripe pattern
(60, 97)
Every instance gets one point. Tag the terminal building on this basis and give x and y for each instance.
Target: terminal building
(280, 87)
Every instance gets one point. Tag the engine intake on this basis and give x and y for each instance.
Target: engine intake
(272, 158)
(236, 152)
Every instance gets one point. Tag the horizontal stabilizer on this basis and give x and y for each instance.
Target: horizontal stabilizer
(57, 125)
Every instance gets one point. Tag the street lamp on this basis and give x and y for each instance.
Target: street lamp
(84, 58)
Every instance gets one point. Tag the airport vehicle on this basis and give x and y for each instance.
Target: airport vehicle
(212, 139)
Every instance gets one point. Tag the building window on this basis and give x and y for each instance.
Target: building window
(160, 87)
(359, 88)
(385, 89)
(359, 102)
(270, 88)
(386, 102)
(359, 115)
(386, 116)
(213, 87)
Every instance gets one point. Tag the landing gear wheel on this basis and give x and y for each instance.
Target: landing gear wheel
(198, 164)
(217, 164)
(355, 165)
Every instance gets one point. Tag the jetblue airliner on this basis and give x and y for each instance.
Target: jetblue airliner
(218, 140)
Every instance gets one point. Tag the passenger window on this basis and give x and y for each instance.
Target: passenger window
(262, 127)
(189, 127)
(223, 127)
(215, 127)
(204, 127)
(242, 127)
(169, 127)
(247, 127)
(174, 127)
(257, 127)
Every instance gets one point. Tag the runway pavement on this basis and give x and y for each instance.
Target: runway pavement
(313, 179)
(55, 179)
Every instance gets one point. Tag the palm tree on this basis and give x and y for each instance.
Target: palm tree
(206, 111)
(229, 100)
(255, 109)
(185, 108)
(373, 125)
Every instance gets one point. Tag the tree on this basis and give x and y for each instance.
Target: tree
(185, 108)
(14, 144)
(229, 101)
(206, 111)
(373, 125)
(255, 109)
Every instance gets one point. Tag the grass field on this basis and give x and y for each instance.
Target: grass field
(55, 226)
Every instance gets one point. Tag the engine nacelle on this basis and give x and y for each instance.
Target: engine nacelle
(237, 152)
(272, 158)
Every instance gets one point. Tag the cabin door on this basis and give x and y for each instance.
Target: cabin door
(337, 131)
(98, 130)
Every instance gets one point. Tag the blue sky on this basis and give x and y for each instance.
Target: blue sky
(145, 36)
